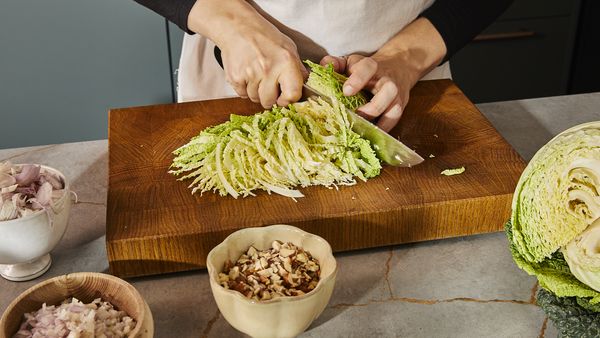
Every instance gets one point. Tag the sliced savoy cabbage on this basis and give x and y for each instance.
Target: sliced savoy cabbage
(554, 231)
(555, 199)
(307, 143)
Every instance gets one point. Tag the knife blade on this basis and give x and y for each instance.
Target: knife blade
(388, 149)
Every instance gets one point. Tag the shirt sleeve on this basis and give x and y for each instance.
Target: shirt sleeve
(176, 11)
(459, 21)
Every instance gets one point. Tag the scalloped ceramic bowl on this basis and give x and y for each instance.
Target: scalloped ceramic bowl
(85, 286)
(279, 317)
(25, 242)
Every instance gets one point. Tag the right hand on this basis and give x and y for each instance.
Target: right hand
(260, 62)
(264, 66)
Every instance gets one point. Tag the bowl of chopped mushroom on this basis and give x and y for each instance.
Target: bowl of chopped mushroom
(35, 201)
(272, 281)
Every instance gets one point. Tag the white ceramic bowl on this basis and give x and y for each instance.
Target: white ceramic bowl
(25, 242)
(280, 317)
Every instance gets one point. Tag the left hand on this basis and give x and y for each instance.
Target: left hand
(388, 77)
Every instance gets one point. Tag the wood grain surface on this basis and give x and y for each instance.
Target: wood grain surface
(155, 225)
(85, 286)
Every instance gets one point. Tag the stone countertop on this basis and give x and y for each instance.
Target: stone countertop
(461, 287)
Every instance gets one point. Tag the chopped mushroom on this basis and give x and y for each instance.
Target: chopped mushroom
(283, 270)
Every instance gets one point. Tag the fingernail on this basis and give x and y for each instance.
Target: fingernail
(348, 90)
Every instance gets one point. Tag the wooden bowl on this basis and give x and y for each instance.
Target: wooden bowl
(85, 286)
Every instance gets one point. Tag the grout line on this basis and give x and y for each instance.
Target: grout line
(543, 330)
(533, 292)
(433, 301)
(345, 305)
(210, 324)
(29, 151)
(387, 272)
(475, 300)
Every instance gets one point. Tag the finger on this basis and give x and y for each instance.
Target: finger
(304, 71)
(390, 118)
(339, 63)
(236, 81)
(385, 92)
(252, 91)
(361, 73)
(239, 87)
(290, 83)
(268, 91)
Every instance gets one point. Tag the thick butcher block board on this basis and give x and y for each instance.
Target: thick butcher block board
(155, 225)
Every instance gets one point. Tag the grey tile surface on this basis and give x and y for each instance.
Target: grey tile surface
(363, 277)
(528, 124)
(463, 287)
(456, 319)
(474, 267)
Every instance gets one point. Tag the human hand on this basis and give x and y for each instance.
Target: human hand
(265, 67)
(392, 71)
(388, 77)
(260, 62)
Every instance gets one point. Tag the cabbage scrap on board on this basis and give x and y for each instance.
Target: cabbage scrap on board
(307, 143)
(554, 230)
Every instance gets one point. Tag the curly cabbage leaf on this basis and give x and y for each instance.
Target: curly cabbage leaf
(307, 143)
(570, 317)
(553, 273)
(557, 195)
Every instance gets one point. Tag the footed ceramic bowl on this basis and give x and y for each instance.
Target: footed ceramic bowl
(85, 286)
(25, 242)
(280, 317)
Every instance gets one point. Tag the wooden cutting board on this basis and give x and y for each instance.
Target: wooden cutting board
(155, 225)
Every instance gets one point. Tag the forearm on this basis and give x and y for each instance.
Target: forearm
(221, 20)
(176, 11)
(419, 45)
(459, 21)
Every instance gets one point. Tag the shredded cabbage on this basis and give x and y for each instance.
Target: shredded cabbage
(452, 172)
(328, 82)
(307, 143)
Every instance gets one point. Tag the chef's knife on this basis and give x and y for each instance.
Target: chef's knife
(388, 148)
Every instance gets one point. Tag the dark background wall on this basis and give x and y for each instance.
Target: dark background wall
(537, 48)
(64, 63)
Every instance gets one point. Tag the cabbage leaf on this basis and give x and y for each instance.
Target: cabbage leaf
(553, 273)
(328, 82)
(583, 256)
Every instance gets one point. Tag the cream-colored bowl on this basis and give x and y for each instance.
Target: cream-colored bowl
(280, 317)
(85, 286)
(25, 242)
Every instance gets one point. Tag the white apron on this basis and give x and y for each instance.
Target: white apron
(318, 27)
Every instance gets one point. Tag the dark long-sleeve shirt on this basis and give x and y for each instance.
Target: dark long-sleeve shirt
(457, 21)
